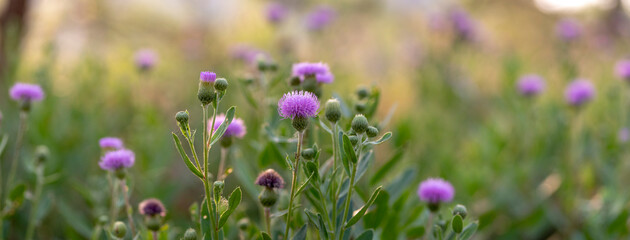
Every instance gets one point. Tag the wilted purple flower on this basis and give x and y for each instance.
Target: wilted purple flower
(463, 24)
(623, 135)
(145, 59)
(152, 207)
(531, 85)
(276, 12)
(110, 143)
(26, 92)
(235, 129)
(435, 191)
(321, 71)
(118, 159)
(568, 29)
(320, 17)
(270, 179)
(298, 104)
(579, 92)
(622, 69)
(208, 76)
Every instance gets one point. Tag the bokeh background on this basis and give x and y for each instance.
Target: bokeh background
(447, 92)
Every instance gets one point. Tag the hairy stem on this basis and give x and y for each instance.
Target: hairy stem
(294, 183)
(125, 190)
(114, 208)
(268, 219)
(30, 230)
(352, 178)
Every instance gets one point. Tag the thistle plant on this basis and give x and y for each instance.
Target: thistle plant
(271, 180)
(153, 211)
(117, 162)
(210, 93)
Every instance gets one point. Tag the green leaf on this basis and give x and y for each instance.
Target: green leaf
(264, 236)
(322, 227)
(366, 235)
(185, 157)
(312, 169)
(364, 209)
(457, 223)
(366, 159)
(204, 220)
(383, 138)
(3, 143)
(17, 193)
(229, 116)
(469, 231)
(301, 234)
(382, 171)
(344, 158)
(301, 188)
(348, 150)
(233, 202)
(416, 232)
(324, 126)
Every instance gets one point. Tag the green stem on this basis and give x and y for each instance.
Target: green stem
(191, 144)
(268, 219)
(18, 147)
(30, 230)
(293, 183)
(352, 178)
(114, 202)
(224, 152)
(125, 189)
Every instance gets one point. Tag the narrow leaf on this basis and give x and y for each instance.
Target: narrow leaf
(457, 224)
(348, 150)
(229, 116)
(469, 231)
(367, 235)
(233, 202)
(365, 207)
(301, 234)
(383, 138)
(185, 157)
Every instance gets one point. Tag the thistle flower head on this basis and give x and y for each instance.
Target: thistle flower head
(235, 129)
(622, 69)
(579, 91)
(145, 59)
(321, 71)
(531, 85)
(152, 207)
(463, 24)
(435, 191)
(207, 76)
(568, 29)
(270, 179)
(110, 143)
(320, 17)
(116, 160)
(276, 12)
(26, 92)
(298, 104)
(248, 54)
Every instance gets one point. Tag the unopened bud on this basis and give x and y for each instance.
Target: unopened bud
(205, 94)
(308, 153)
(359, 107)
(333, 110)
(119, 230)
(243, 224)
(42, 154)
(294, 81)
(460, 210)
(363, 92)
(360, 124)
(221, 84)
(353, 139)
(372, 131)
(190, 234)
(268, 197)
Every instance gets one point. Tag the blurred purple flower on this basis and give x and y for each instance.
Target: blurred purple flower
(26, 92)
(208, 76)
(110, 143)
(118, 159)
(623, 135)
(152, 207)
(568, 29)
(622, 69)
(579, 92)
(248, 54)
(321, 71)
(531, 85)
(300, 104)
(270, 179)
(145, 59)
(320, 17)
(276, 12)
(435, 191)
(463, 24)
(235, 129)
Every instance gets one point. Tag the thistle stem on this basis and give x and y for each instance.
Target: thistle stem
(268, 219)
(155, 235)
(114, 202)
(224, 152)
(294, 183)
(125, 190)
(18, 147)
(352, 178)
(39, 171)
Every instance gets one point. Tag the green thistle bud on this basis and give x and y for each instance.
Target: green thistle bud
(351, 133)
(182, 122)
(360, 124)
(460, 210)
(190, 234)
(372, 131)
(359, 107)
(221, 84)
(119, 230)
(205, 94)
(353, 139)
(308, 153)
(300, 123)
(120, 173)
(154, 223)
(362, 93)
(268, 197)
(333, 110)
(295, 81)
(218, 189)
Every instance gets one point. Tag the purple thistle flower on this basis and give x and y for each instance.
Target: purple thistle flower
(152, 207)
(248, 54)
(531, 85)
(208, 76)
(568, 29)
(320, 70)
(270, 179)
(435, 191)
(325, 78)
(145, 59)
(110, 143)
(276, 12)
(235, 129)
(579, 92)
(320, 17)
(298, 104)
(623, 135)
(463, 24)
(26, 92)
(622, 69)
(118, 159)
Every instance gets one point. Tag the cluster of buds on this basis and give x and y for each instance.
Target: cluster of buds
(211, 88)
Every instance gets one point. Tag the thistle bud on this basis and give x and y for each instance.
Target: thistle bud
(359, 107)
(353, 139)
(295, 81)
(372, 131)
(300, 123)
(205, 94)
(360, 124)
(362, 93)
(268, 197)
(154, 223)
(120, 173)
(460, 210)
(218, 189)
(243, 224)
(182, 122)
(41, 154)
(190, 234)
(308, 153)
(221, 84)
(119, 230)
(333, 110)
